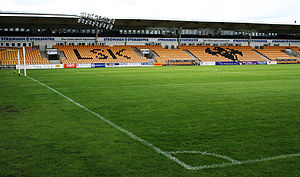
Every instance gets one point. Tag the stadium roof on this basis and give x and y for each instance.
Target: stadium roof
(23, 19)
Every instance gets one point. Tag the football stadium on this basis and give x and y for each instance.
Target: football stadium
(86, 95)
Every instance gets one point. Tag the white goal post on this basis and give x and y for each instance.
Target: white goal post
(19, 63)
(25, 73)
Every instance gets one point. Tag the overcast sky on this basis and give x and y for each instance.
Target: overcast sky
(265, 11)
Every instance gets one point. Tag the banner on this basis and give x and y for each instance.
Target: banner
(148, 64)
(98, 65)
(57, 66)
(262, 62)
(140, 40)
(249, 63)
(113, 65)
(157, 64)
(208, 63)
(47, 66)
(227, 63)
(52, 51)
(145, 51)
(70, 65)
(7, 66)
(272, 62)
(84, 65)
(38, 66)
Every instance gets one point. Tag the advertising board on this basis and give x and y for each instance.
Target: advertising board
(84, 65)
(208, 63)
(38, 66)
(98, 65)
(70, 65)
(272, 62)
(262, 62)
(150, 64)
(111, 65)
(157, 64)
(249, 63)
(227, 63)
(57, 66)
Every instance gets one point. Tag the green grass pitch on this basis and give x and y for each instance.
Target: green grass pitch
(240, 112)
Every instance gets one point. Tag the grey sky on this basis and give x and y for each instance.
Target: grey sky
(266, 11)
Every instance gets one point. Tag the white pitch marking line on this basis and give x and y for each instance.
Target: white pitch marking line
(158, 150)
(128, 133)
(206, 153)
(285, 156)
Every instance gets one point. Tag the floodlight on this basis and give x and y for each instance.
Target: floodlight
(113, 21)
(104, 19)
(96, 20)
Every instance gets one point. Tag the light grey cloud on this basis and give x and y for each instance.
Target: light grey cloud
(271, 11)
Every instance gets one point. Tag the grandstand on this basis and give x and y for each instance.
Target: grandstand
(183, 55)
(9, 56)
(169, 56)
(245, 53)
(169, 42)
(282, 54)
(98, 54)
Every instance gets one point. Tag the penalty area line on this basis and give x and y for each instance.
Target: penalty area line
(206, 153)
(128, 133)
(284, 156)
